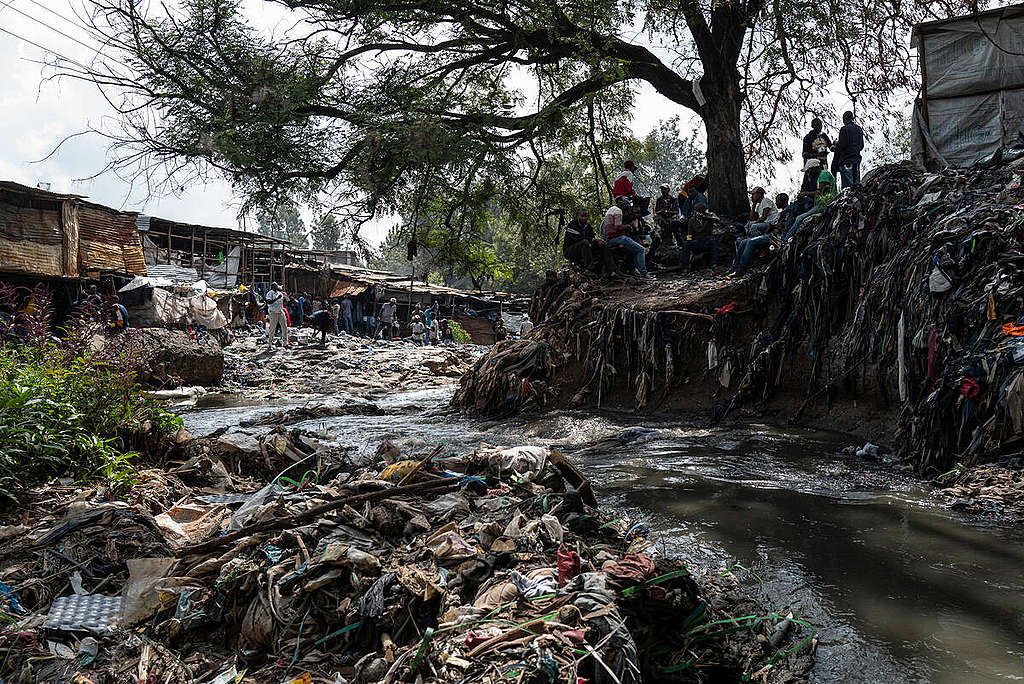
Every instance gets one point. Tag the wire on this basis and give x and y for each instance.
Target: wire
(43, 48)
(69, 37)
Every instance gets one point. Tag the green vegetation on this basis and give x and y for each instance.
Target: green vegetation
(459, 333)
(68, 411)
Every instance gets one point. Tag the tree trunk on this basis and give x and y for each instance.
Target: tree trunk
(727, 169)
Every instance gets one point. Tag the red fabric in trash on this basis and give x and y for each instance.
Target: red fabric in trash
(568, 564)
(473, 639)
(726, 309)
(575, 636)
(636, 567)
(1014, 330)
(970, 388)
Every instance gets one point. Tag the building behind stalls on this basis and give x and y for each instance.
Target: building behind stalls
(971, 106)
(62, 240)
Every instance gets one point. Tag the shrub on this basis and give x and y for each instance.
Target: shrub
(69, 408)
(459, 333)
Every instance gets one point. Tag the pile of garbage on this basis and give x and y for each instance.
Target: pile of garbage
(915, 283)
(490, 566)
(357, 366)
(512, 377)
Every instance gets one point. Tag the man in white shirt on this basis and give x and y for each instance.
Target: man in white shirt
(763, 214)
(526, 325)
(275, 300)
(387, 316)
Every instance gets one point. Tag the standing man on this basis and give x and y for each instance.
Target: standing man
(846, 161)
(275, 315)
(817, 144)
(346, 314)
(624, 181)
(387, 317)
(300, 311)
(525, 326)
(335, 311)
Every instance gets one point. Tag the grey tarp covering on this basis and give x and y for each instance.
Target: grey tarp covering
(974, 85)
(964, 57)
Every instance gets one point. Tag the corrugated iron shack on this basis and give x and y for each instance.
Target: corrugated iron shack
(47, 235)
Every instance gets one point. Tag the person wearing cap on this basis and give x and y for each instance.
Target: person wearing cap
(817, 144)
(692, 195)
(846, 161)
(823, 196)
(276, 300)
(624, 181)
(763, 214)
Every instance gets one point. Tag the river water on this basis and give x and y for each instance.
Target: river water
(899, 589)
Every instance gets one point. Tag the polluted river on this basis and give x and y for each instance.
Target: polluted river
(898, 588)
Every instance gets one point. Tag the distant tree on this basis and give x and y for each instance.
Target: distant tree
(891, 144)
(282, 221)
(326, 234)
(668, 157)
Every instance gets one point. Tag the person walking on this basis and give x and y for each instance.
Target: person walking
(387, 316)
(275, 315)
(346, 314)
(846, 161)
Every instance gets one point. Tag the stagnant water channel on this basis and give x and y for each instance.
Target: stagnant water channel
(899, 589)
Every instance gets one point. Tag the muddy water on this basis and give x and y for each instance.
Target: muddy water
(899, 589)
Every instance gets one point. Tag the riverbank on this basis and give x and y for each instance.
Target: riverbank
(264, 549)
(890, 317)
(439, 565)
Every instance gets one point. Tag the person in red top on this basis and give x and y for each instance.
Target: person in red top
(624, 181)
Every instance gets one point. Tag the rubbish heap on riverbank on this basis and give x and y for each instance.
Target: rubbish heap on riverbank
(359, 367)
(489, 566)
(896, 315)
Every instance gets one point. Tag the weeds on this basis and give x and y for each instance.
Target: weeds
(69, 406)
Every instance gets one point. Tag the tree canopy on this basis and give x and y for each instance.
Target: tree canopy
(430, 109)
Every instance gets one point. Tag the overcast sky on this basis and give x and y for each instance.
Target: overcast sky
(36, 115)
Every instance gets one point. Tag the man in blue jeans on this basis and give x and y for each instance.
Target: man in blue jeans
(848, 148)
(822, 198)
(747, 248)
(615, 230)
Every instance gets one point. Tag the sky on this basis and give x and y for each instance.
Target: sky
(36, 114)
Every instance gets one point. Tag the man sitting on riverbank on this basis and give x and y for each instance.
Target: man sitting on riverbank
(616, 228)
(582, 248)
(700, 237)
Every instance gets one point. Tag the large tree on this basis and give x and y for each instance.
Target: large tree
(282, 221)
(358, 94)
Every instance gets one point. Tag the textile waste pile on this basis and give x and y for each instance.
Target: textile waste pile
(490, 566)
(905, 295)
(916, 283)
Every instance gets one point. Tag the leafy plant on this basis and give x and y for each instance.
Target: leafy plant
(459, 333)
(68, 409)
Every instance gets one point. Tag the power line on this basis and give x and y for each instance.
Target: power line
(43, 48)
(55, 13)
(71, 38)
